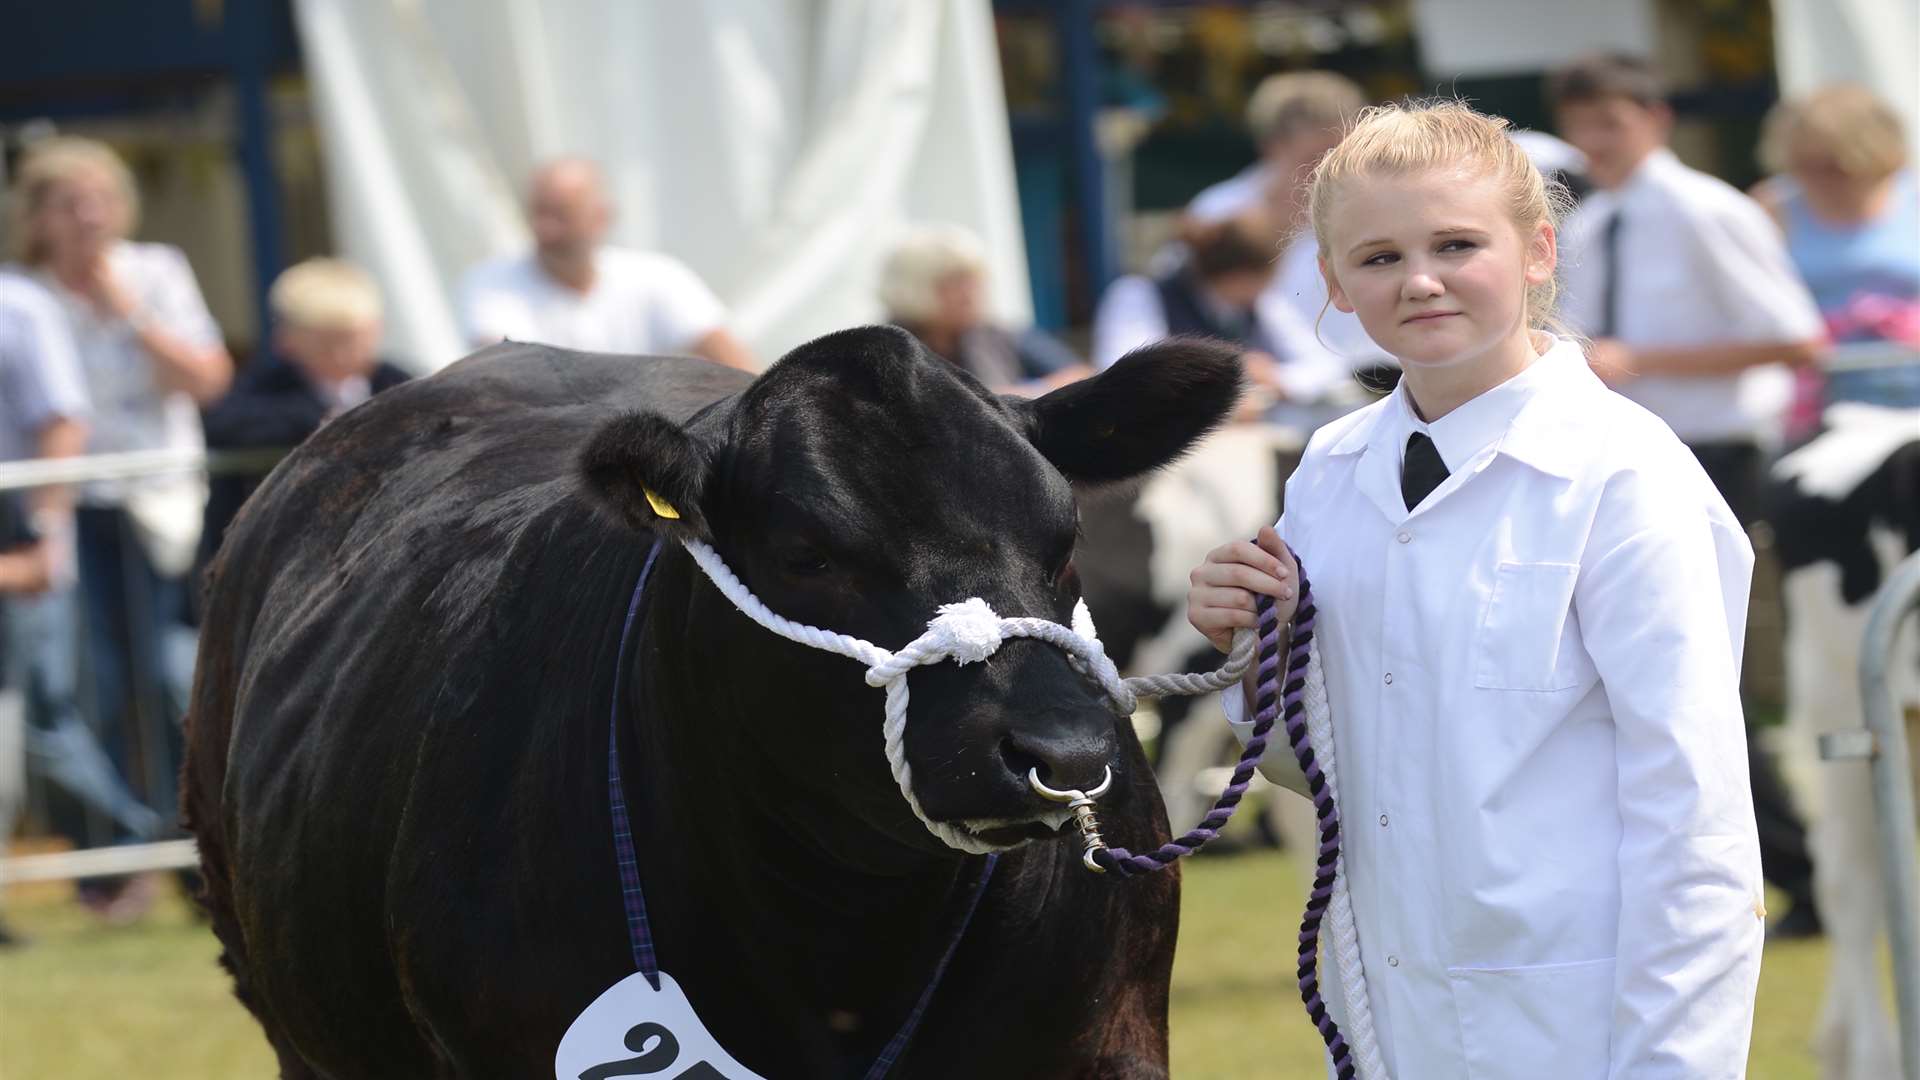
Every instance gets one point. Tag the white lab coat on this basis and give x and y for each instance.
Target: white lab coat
(1537, 727)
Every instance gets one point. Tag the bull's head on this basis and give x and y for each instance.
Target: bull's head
(858, 485)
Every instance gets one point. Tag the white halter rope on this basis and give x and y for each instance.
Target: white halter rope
(966, 632)
(971, 631)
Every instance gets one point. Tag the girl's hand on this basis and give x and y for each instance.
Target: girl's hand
(1223, 588)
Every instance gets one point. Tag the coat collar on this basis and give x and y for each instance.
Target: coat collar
(1545, 433)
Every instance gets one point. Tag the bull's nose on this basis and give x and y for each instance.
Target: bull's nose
(1064, 761)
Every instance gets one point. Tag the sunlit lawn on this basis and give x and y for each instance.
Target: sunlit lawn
(85, 1002)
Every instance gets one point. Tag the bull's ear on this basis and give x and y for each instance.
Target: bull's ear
(651, 472)
(1139, 414)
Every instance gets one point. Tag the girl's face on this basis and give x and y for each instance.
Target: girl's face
(1433, 264)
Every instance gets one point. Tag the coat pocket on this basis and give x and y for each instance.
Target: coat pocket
(1544, 1020)
(1518, 643)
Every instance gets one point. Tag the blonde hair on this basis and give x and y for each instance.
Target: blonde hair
(54, 161)
(1442, 135)
(1844, 121)
(1287, 104)
(325, 294)
(929, 254)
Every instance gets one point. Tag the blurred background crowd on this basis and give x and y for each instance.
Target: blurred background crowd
(227, 223)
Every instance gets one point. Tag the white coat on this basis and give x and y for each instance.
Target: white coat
(1534, 679)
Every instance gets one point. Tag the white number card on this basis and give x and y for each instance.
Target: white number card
(634, 1030)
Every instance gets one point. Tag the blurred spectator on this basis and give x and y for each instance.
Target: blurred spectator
(1695, 312)
(43, 414)
(576, 291)
(326, 336)
(1295, 118)
(1850, 208)
(1216, 291)
(1558, 160)
(934, 285)
(1684, 285)
(151, 354)
(23, 569)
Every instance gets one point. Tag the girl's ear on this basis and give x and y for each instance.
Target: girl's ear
(1543, 254)
(1334, 291)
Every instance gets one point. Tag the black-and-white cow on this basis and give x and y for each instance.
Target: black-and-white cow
(1845, 509)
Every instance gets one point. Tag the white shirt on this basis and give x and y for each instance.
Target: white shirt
(131, 409)
(40, 378)
(1130, 315)
(1700, 264)
(1296, 301)
(1243, 191)
(640, 302)
(1538, 737)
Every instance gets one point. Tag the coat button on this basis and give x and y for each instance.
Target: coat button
(1405, 537)
(1383, 821)
(1393, 961)
(1389, 678)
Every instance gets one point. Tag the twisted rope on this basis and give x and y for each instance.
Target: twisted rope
(1346, 934)
(970, 631)
(967, 632)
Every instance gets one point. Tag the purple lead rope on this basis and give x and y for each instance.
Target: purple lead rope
(640, 930)
(1271, 701)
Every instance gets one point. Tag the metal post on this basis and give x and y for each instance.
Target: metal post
(1080, 78)
(248, 34)
(1893, 796)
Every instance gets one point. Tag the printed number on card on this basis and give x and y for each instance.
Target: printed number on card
(634, 1030)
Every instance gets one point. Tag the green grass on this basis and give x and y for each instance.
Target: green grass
(1237, 1013)
(86, 1001)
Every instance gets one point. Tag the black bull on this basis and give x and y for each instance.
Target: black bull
(397, 751)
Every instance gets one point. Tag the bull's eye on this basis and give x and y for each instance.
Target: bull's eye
(1067, 578)
(803, 561)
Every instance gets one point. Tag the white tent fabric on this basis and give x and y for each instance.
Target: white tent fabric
(1865, 41)
(775, 146)
(1533, 35)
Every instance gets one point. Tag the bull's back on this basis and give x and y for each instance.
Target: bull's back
(403, 631)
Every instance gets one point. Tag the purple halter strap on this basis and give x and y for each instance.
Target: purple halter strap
(640, 930)
(1273, 700)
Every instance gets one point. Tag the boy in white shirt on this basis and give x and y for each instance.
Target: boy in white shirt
(1682, 281)
(576, 291)
(1696, 312)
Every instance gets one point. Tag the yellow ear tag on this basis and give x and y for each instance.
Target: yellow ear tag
(661, 506)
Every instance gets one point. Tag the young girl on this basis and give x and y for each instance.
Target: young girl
(1531, 605)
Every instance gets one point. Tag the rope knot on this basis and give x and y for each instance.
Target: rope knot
(967, 631)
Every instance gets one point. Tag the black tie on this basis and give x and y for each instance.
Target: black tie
(1422, 471)
(1610, 283)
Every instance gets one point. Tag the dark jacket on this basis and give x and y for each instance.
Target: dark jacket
(271, 406)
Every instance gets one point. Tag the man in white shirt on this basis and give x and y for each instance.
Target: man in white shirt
(1681, 281)
(1696, 312)
(1295, 117)
(43, 413)
(575, 291)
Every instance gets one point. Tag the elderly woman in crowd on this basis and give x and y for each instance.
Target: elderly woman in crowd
(1850, 206)
(151, 356)
(934, 285)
